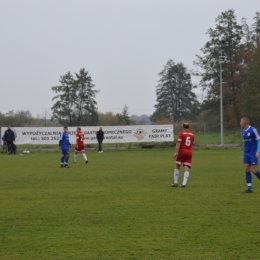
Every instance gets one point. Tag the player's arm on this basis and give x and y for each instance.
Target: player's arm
(61, 138)
(257, 137)
(258, 148)
(177, 149)
(77, 140)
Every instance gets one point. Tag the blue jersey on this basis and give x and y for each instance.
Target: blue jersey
(64, 141)
(250, 136)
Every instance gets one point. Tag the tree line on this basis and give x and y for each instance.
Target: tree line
(24, 118)
(240, 45)
(75, 104)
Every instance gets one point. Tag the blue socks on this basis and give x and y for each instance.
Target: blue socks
(64, 160)
(258, 174)
(249, 180)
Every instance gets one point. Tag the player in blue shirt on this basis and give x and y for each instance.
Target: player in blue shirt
(251, 151)
(64, 145)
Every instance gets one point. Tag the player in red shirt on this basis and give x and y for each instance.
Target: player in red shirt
(80, 148)
(183, 154)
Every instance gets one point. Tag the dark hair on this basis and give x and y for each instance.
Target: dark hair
(79, 128)
(186, 125)
(65, 126)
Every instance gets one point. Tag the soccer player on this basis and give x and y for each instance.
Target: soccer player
(64, 145)
(183, 155)
(251, 151)
(80, 148)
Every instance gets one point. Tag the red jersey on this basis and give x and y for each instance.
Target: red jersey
(186, 139)
(80, 139)
(79, 142)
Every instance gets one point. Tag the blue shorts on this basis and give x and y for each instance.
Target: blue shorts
(250, 159)
(65, 151)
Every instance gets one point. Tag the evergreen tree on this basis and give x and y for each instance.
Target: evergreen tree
(85, 105)
(124, 118)
(75, 103)
(225, 40)
(174, 93)
(247, 39)
(256, 29)
(251, 93)
(63, 108)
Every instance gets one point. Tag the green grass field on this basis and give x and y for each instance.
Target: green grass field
(122, 206)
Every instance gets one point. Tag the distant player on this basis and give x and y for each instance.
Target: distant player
(183, 155)
(251, 151)
(80, 148)
(64, 145)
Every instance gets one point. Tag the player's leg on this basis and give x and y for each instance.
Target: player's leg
(254, 163)
(176, 175)
(255, 171)
(187, 166)
(62, 160)
(66, 160)
(247, 166)
(81, 149)
(75, 156)
(177, 169)
(248, 178)
(185, 176)
(84, 156)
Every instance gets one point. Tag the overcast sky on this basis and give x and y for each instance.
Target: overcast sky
(123, 44)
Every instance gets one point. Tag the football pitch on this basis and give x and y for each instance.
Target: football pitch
(121, 206)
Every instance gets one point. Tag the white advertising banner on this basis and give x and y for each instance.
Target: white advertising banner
(112, 134)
